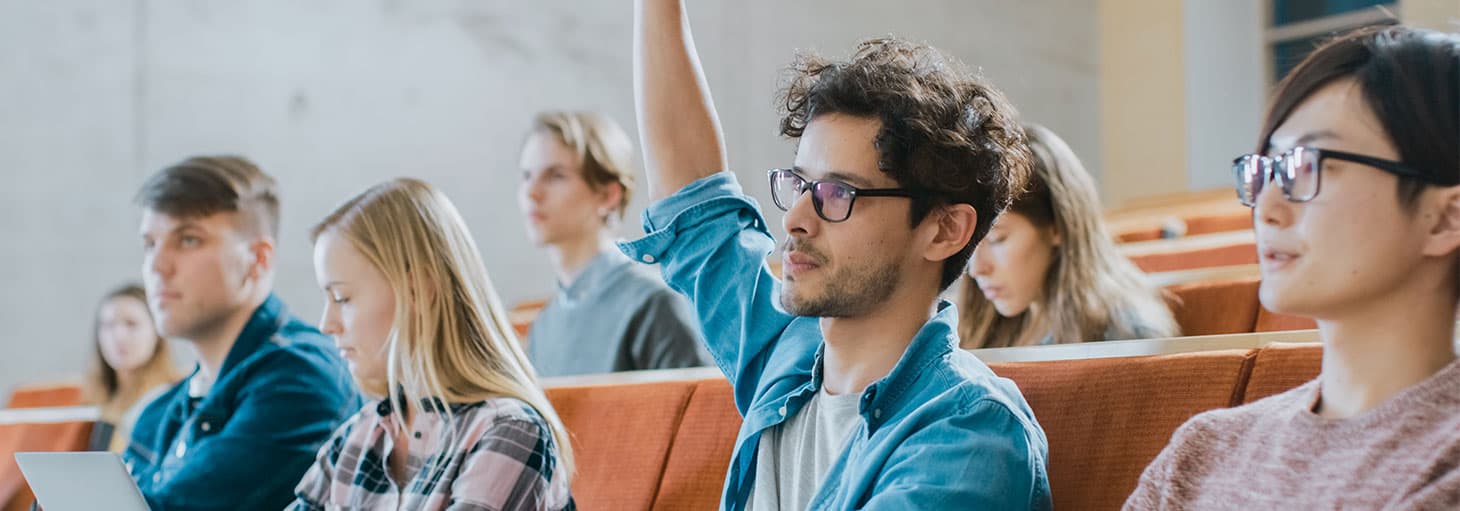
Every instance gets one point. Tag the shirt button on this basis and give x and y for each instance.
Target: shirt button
(877, 414)
(782, 411)
(207, 426)
(647, 258)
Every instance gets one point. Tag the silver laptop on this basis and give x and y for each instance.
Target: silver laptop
(80, 481)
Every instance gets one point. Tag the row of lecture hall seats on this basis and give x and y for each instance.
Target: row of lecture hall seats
(1177, 215)
(662, 439)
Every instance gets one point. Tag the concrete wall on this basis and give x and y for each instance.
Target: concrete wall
(1226, 86)
(1182, 88)
(1143, 110)
(333, 96)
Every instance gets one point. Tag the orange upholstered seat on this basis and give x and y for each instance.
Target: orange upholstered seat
(1203, 257)
(31, 437)
(1227, 222)
(45, 396)
(1268, 321)
(621, 436)
(1217, 307)
(1141, 233)
(700, 457)
(1106, 419)
(1279, 367)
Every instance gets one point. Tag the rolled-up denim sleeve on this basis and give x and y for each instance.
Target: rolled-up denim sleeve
(710, 242)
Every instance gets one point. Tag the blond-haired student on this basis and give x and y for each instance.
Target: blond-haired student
(459, 420)
(577, 176)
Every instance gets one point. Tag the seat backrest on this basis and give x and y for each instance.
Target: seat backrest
(621, 436)
(1216, 307)
(45, 396)
(1280, 367)
(1223, 222)
(1141, 233)
(1268, 321)
(1106, 419)
(1203, 257)
(1209, 274)
(694, 477)
(33, 437)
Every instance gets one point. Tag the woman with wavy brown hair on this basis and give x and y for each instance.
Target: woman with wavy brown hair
(1048, 272)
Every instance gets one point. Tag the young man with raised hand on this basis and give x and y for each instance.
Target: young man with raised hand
(847, 371)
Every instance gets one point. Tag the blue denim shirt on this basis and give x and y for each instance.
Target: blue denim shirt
(281, 392)
(940, 431)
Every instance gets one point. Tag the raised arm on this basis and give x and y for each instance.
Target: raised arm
(678, 126)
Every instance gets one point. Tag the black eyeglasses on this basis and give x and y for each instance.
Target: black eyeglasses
(833, 199)
(1299, 172)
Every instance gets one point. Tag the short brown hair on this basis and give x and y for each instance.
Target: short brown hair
(602, 145)
(946, 133)
(203, 185)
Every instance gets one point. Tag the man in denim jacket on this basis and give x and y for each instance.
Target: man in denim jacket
(846, 370)
(269, 389)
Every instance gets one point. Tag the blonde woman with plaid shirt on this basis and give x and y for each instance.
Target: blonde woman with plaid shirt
(460, 421)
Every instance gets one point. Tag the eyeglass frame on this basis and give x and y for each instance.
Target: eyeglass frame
(1284, 181)
(816, 202)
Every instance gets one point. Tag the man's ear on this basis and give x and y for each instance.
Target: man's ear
(1444, 234)
(262, 252)
(951, 228)
(609, 198)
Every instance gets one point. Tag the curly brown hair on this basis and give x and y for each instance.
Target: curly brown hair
(947, 134)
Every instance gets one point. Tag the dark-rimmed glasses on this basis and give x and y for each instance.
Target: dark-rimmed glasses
(832, 199)
(1299, 172)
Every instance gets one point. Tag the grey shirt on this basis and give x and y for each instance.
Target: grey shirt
(616, 316)
(794, 456)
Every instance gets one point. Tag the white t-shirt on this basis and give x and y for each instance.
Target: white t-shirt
(794, 456)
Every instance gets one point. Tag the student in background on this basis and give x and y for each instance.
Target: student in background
(460, 421)
(1048, 271)
(131, 364)
(609, 314)
(1355, 185)
(268, 389)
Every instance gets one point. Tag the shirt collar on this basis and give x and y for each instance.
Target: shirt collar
(266, 321)
(933, 341)
(199, 384)
(598, 270)
(428, 404)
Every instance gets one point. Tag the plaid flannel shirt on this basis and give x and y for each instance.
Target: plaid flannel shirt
(498, 454)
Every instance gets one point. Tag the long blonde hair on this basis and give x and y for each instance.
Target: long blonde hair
(451, 338)
(103, 387)
(1091, 289)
